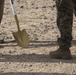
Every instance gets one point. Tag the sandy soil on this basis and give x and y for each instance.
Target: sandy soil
(38, 17)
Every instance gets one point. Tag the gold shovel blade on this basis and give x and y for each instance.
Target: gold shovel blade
(22, 39)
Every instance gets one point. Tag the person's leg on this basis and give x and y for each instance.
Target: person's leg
(74, 2)
(1, 15)
(1, 9)
(64, 23)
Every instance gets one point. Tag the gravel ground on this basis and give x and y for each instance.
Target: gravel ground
(38, 17)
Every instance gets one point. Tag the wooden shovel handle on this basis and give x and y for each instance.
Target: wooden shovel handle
(15, 15)
(17, 22)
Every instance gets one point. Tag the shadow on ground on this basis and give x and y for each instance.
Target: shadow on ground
(35, 43)
(33, 58)
(32, 44)
(23, 73)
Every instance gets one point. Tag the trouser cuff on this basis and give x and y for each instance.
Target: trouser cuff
(64, 43)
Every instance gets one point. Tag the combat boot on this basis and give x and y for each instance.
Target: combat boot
(61, 53)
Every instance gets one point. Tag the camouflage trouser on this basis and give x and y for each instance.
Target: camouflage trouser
(1, 9)
(74, 3)
(65, 21)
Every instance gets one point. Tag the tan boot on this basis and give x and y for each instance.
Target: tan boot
(61, 53)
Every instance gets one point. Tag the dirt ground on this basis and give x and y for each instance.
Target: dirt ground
(38, 17)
